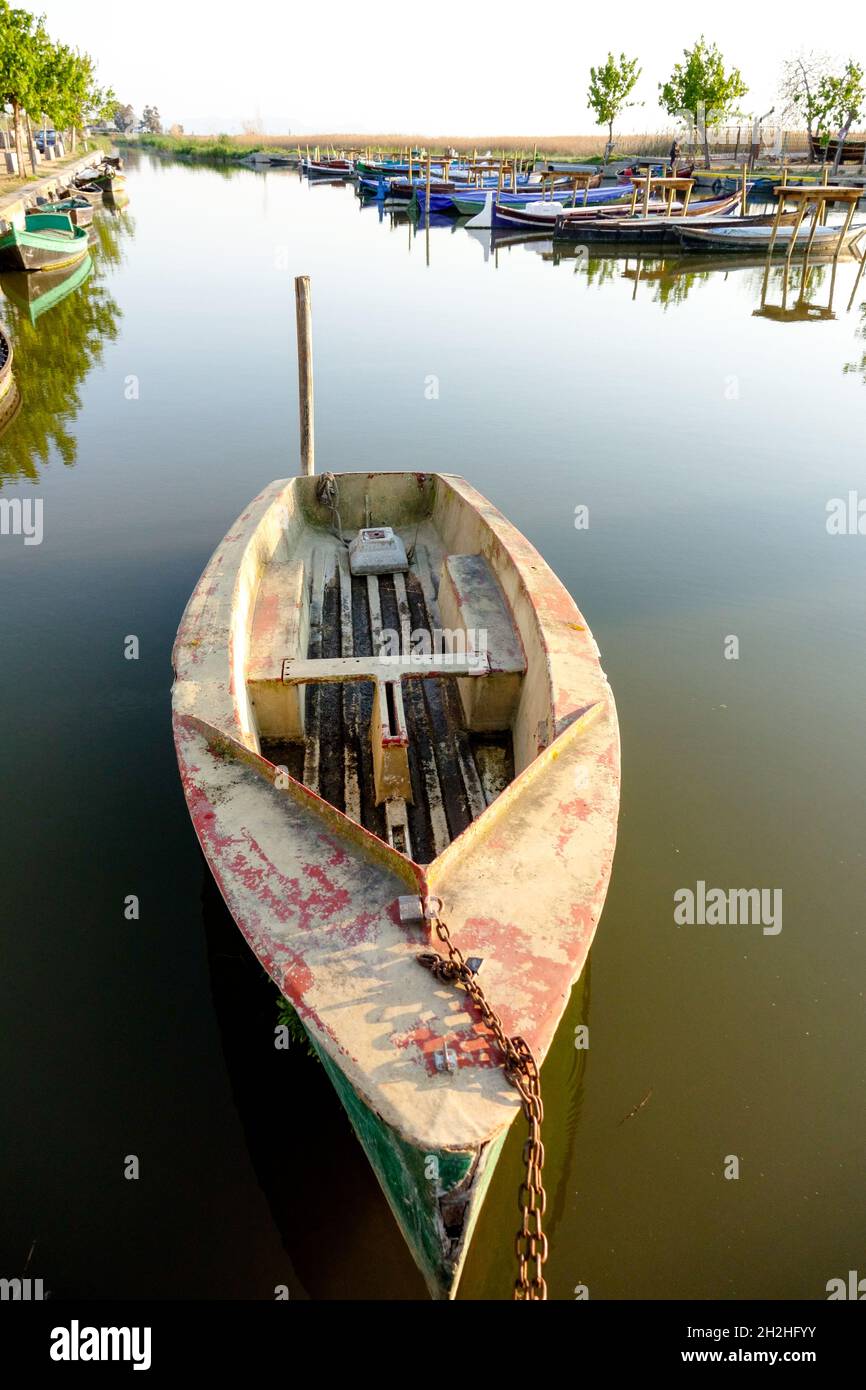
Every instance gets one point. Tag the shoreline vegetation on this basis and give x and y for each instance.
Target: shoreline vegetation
(589, 149)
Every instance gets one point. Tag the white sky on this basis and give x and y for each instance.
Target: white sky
(451, 68)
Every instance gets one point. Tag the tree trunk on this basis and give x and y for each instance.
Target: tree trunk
(19, 146)
(30, 145)
(840, 142)
(706, 147)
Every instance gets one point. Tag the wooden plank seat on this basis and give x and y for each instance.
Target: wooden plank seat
(279, 633)
(471, 602)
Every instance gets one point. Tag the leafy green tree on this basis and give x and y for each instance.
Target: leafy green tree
(23, 42)
(841, 100)
(76, 98)
(610, 86)
(701, 91)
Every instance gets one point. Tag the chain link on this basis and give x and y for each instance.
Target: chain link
(521, 1070)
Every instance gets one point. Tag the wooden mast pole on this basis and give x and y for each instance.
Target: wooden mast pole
(304, 316)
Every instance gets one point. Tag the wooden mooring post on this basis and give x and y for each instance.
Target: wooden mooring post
(304, 315)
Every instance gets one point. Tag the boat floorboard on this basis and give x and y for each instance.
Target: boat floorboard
(454, 774)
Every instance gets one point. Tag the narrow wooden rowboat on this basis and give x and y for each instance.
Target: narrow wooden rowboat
(79, 210)
(472, 200)
(329, 166)
(757, 238)
(109, 182)
(354, 747)
(47, 242)
(86, 189)
(563, 218)
(660, 230)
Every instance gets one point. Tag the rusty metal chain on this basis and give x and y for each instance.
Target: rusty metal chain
(521, 1070)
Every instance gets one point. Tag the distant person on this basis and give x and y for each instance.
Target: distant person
(674, 157)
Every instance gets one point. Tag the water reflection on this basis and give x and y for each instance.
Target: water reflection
(59, 324)
(859, 368)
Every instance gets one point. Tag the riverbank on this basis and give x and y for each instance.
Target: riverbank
(13, 202)
(95, 146)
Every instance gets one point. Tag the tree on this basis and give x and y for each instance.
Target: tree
(23, 41)
(150, 120)
(76, 98)
(798, 90)
(610, 86)
(700, 91)
(841, 101)
(123, 117)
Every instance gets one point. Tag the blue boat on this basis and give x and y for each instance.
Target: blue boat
(472, 200)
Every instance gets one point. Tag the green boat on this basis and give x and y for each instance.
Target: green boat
(48, 241)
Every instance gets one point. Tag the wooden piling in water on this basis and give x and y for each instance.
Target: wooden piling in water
(303, 311)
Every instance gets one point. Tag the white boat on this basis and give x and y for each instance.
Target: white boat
(757, 238)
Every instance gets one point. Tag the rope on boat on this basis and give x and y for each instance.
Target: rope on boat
(328, 493)
(521, 1070)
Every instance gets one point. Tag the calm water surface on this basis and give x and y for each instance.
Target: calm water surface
(706, 438)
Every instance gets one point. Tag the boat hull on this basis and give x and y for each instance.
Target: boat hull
(34, 252)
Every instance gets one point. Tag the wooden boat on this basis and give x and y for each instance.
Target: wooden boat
(661, 230)
(87, 190)
(354, 776)
(6, 358)
(48, 242)
(757, 238)
(472, 200)
(343, 167)
(10, 395)
(549, 213)
(109, 182)
(853, 151)
(79, 210)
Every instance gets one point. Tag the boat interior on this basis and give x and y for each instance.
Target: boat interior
(399, 694)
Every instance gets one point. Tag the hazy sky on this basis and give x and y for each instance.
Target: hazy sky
(451, 68)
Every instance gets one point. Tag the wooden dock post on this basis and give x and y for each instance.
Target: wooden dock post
(304, 315)
(744, 195)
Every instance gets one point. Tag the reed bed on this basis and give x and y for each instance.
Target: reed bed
(581, 147)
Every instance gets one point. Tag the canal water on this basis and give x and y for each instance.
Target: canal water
(705, 422)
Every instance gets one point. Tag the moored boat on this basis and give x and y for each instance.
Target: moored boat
(79, 210)
(825, 241)
(332, 167)
(46, 242)
(6, 358)
(85, 189)
(378, 739)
